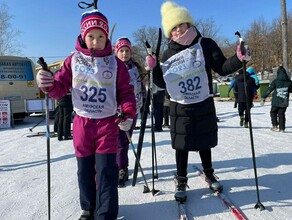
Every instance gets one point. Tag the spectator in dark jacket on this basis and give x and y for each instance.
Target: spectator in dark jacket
(166, 109)
(56, 119)
(281, 87)
(252, 74)
(65, 117)
(245, 97)
(186, 73)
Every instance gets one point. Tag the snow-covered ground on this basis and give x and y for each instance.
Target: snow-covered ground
(23, 173)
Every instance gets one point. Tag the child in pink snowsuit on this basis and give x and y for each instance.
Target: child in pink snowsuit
(100, 83)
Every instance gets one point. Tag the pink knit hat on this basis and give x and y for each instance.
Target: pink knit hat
(123, 42)
(93, 20)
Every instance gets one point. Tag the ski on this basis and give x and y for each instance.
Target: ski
(38, 134)
(182, 206)
(225, 200)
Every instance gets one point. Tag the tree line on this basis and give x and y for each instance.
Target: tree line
(264, 40)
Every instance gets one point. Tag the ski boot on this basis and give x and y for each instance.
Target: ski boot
(86, 215)
(180, 188)
(123, 177)
(212, 180)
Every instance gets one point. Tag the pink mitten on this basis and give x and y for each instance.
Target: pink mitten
(126, 125)
(246, 56)
(151, 61)
(45, 79)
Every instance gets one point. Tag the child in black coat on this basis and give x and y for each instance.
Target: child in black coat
(245, 95)
(186, 74)
(281, 87)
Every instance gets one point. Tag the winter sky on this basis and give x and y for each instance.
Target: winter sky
(23, 173)
(49, 28)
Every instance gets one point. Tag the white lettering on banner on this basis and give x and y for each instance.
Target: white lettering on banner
(94, 23)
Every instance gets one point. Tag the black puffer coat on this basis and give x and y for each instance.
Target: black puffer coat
(65, 101)
(239, 87)
(194, 126)
(281, 87)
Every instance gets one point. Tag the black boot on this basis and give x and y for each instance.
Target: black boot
(211, 179)
(180, 188)
(241, 121)
(123, 177)
(86, 215)
(246, 124)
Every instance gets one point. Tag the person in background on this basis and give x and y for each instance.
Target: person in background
(252, 73)
(123, 50)
(100, 82)
(186, 74)
(280, 87)
(56, 120)
(231, 86)
(65, 117)
(166, 109)
(243, 99)
(158, 100)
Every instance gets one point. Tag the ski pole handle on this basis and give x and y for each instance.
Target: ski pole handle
(241, 41)
(148, 47)
(120, 117)
(88, 5)
(43, 64)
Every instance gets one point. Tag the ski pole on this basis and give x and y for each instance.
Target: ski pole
(43, 64)
(141, 135)
(146, 188)
(120, 118)
(154, 158)
(112, 32)
(242, 48)
(30, 129)
(145, 112)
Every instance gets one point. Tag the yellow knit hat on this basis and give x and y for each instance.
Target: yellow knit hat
(173, 15)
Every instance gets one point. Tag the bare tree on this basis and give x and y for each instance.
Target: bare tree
(8, 42)
(257, 38)
(207, 27)
(149, 34)
(275, 44)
